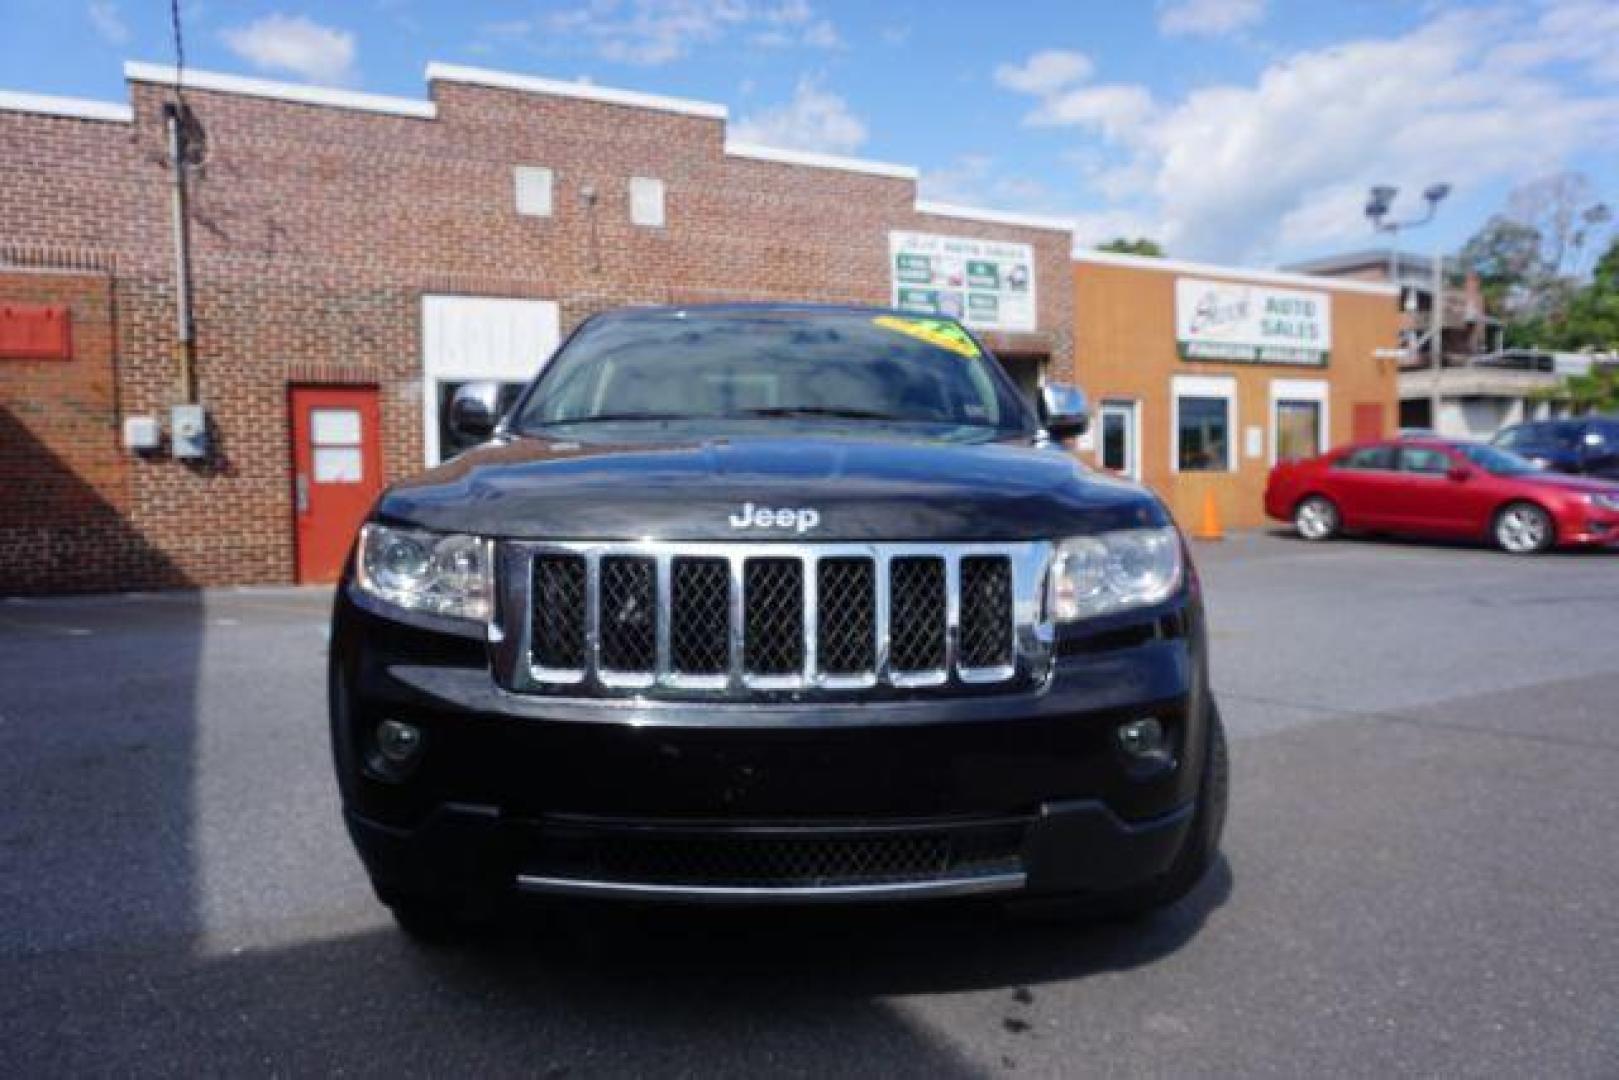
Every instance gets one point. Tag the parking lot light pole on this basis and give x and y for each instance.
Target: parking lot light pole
(1379, 201)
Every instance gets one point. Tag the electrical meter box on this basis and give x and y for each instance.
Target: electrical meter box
(188, 431)
(142, 433)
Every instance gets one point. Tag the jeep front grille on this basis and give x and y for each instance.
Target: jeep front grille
(717, 619)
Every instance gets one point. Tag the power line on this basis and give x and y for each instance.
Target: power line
(179, 50)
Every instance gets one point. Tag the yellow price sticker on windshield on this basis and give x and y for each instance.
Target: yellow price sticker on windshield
(938, 332)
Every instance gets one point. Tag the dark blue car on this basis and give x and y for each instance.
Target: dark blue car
(1587, 445)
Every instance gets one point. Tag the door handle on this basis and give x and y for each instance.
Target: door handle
(300, 496)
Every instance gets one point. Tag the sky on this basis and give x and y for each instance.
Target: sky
(1241, 131)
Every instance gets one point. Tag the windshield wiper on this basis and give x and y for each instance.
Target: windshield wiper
(816, 410)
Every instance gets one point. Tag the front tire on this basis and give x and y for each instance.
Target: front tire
(1316, 518)
(1522, 528)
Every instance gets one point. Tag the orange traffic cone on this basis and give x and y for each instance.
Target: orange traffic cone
(1209, 527)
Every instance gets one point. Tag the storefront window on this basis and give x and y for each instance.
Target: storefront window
(1205, 434)
(1298, 430)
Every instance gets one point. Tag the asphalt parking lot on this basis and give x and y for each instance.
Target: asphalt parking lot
(1421, 872)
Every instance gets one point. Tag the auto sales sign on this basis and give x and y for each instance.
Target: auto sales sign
(1231, 321)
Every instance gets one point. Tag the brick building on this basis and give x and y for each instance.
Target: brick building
(394, 247)
(1203, 377)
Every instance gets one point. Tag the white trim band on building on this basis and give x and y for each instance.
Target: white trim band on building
(994, 217)
(75, 108)
(533, 84)
(137, 71)
(783, 156)
(1257, 277)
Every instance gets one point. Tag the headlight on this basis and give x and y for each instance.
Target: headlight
(422, 571)
(1605, 500)
(1114, 571)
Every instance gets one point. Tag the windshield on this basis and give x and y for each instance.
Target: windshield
(732, 370)
(1492, 459)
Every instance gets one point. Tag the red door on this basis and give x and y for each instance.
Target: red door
(1367, 423)
(337, 473)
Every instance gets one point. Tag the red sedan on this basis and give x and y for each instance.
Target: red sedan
(1434, 487)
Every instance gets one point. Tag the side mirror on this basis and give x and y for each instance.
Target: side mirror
(1063, 410)
(474, 410)
(1459, 473)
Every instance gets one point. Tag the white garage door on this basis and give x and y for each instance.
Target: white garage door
(470, 338)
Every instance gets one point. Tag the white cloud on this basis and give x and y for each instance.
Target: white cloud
(1118, 110)
(297, 46)
(108, 22)
(815, 119)
(1045, 71)
(1583, 32)
(978, 180)
(1280, 166)
(1209, 18)
(654, 32)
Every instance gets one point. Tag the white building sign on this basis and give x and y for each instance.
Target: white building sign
(1224, 320)
(986, 284)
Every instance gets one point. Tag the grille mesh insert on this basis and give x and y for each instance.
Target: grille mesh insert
(773, 638)
(916, 622)
(559, 611)
(986, 611)
(846, 629)
(628, 613)
(699, 625)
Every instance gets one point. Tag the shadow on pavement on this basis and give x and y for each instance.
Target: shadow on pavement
(557, 989)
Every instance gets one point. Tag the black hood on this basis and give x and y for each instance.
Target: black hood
(859, 489)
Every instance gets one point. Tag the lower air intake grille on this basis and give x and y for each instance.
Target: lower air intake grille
(781, 858)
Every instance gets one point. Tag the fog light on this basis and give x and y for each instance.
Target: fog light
(1142, 738)
(398, 742)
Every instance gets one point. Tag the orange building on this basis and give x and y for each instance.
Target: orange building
(1202, 377)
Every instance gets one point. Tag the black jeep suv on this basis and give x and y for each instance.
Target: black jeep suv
(773, 603)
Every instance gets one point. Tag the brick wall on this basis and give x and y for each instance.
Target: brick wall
(64, 482)
(317, 230)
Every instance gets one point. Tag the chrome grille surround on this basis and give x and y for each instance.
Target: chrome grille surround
(513, 640)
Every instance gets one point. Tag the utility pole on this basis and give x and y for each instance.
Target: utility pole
(1436, 332)
(175, 119)
(1378, 203)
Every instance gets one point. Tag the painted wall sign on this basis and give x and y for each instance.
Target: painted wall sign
(986, 284)
(35, 332)
(1231, 321)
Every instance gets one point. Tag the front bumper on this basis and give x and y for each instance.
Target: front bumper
(1589, 526)
(816, 801)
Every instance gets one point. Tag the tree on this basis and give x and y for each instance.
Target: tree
(1590, 321)
(1506, 256)
(1139, 246)
(1531, 257)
